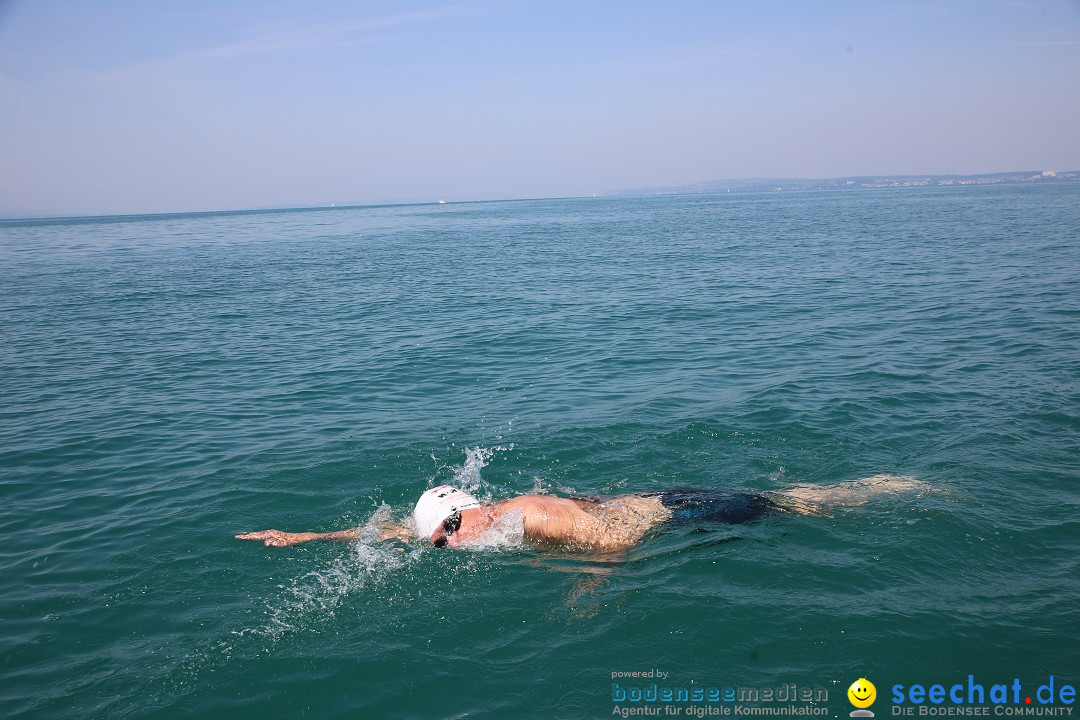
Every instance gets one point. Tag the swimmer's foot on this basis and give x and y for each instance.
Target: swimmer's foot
(820, 499)
(796, 505)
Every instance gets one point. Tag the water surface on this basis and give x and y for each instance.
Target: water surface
(169, 381)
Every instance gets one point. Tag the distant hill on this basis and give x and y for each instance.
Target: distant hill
(850, 183)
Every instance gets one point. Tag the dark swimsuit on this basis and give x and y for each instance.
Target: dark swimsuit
(731, 507)
(693, 506)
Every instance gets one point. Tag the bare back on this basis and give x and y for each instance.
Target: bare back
(609, 525)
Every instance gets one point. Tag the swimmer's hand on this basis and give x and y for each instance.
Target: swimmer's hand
(279, 538)
(391, 531)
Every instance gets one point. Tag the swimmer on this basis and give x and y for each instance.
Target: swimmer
(447, 516)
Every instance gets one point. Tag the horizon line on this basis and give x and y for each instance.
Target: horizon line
(641, 191)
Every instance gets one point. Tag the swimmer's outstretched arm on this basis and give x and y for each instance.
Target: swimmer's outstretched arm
(278, 538)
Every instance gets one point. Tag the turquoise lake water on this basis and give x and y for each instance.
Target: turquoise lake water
(169, 381)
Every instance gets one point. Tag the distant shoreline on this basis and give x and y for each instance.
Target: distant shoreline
(852, 182)
(708, 187)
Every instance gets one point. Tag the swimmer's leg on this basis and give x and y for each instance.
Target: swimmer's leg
(820, 499)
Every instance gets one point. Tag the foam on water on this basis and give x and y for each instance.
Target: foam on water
(314, 596)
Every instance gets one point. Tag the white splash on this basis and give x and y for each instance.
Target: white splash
(506, 533)
(544, 487)
(316, 595)
(467, 477)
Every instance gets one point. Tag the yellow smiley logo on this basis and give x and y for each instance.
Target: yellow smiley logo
(862, 693)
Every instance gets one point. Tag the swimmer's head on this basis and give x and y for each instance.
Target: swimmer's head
(438, 504)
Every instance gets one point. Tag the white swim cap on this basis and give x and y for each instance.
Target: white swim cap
(439, 503)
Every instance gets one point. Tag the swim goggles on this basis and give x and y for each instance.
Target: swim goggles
(450, 526)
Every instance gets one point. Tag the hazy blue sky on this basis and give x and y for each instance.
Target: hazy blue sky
(138, 106)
